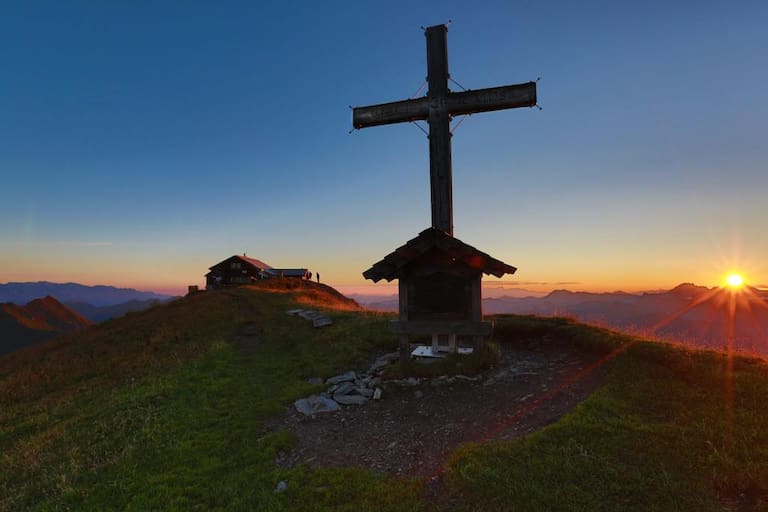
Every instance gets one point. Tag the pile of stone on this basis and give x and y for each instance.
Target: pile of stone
(346, 389)
(317, 318)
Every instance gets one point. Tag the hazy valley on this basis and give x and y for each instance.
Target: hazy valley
(688, 313)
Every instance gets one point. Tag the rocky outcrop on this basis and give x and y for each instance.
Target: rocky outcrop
(316, 404)
(351, 388)
(347, 388)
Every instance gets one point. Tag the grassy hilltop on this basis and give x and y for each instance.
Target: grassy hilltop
(165, 410)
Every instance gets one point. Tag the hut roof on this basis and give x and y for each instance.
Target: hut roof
(390, 267)
(250, 261)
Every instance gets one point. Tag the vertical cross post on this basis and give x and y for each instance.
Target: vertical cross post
(436, 108)
(439, 129)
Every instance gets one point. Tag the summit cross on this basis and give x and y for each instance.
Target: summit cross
(437, 108)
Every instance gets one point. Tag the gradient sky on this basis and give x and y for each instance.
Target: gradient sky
(142, 142)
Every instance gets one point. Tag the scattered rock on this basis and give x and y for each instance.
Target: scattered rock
(282, 485)
(410, 381)
(443, 379)
(316, 404)
(344, 388)
(367, 393)
(322, 322)
(384, 360)
(317, 318)
(345, 377)
(350, 399)
(399, 434)
(350, 388)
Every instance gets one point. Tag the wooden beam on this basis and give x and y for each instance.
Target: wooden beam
(405, 349)
(402, 290)
(477, 310)
(390, 113)
(440, 167)
(477, 299)
(457, 103)
(493, 98)
(405, 341)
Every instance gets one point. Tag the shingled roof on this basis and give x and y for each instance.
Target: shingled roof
(389, 268)
(251, 261)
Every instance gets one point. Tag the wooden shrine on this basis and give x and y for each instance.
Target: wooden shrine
(439, 276)
(439, 280)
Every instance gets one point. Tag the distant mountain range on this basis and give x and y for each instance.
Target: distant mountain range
(687, 313)
(34, 312)
(36, 321)
(72, 293)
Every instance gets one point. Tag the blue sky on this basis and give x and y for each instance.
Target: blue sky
(142, 142)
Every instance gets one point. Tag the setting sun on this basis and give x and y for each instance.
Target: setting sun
(735, 280)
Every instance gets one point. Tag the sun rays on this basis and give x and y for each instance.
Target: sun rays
(735, 296)
(735, 280)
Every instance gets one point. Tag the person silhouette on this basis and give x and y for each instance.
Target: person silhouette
(318, 276)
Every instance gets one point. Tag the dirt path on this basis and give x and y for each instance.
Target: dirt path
(412, 430)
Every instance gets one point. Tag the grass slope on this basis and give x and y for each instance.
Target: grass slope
(672, 429)
(160, 410)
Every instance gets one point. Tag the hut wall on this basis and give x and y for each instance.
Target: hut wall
(439, 296)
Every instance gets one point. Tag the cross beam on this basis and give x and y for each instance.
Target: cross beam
(458, 103)
(437, 108)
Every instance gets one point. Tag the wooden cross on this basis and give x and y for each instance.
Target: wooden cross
(437, 108)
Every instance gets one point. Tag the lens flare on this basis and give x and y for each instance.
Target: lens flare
(734, 280)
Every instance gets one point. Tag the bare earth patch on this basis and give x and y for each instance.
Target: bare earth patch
(412, 430)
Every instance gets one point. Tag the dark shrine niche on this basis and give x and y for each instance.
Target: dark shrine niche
(440, 296)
